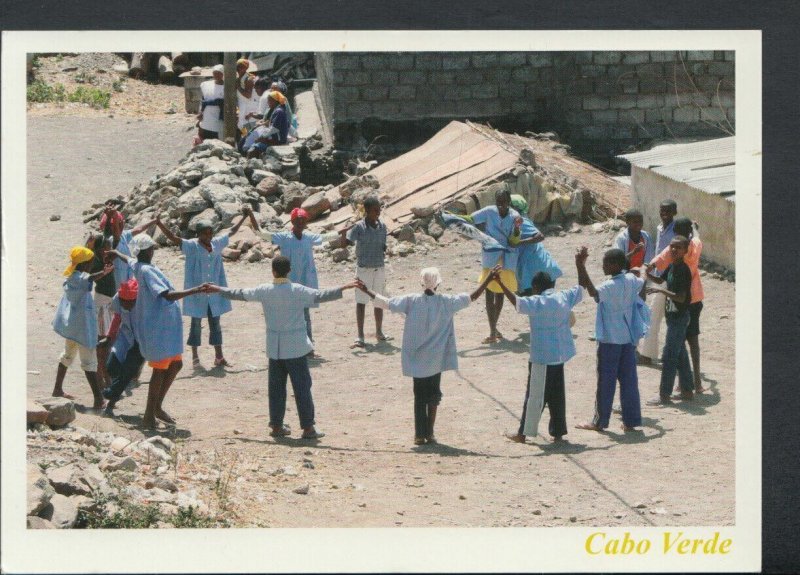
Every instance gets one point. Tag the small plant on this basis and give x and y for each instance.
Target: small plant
(115, 512)
(36, 62)
(84, 78)
(93, 96)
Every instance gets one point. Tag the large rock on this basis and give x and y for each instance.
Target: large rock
(36, 413)
(405, 234)
(215, 166)
(212, 145)
(39, 490)
(272, 164)
(231, 254)
(244, 239)
(422, 211)
(435, 230)
(217, 193)
(227, 211)
(61, 512)
(341, 255)
(119, 464)
(294, 195)
(257, 175)
(209, 215)
(255, 255)
(62, 410)
(76, 479)
(283, 153)
(316, 205)
(269, 185)
(228, 180)
(191, 202)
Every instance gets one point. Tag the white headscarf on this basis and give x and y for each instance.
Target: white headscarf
(430, 278)
(140, 243)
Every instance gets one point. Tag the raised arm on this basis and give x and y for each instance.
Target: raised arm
(494, 275)
(583, 276)
(246, 212)
(102, 273)
(680, 298)
(142, 227)
(167, 232)
(508, 293)
(176, 295)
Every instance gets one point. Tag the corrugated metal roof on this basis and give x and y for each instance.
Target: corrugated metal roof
(709, 166)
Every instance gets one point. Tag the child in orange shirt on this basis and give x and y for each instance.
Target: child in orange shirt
(685, 227)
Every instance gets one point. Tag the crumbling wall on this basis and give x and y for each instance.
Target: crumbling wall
(600, 103)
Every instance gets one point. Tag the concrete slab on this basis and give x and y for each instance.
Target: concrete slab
(308, 118)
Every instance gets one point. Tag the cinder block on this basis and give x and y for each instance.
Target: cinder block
(606, 87)
(456, 92)
(386, 109)
(595, 103)
(696, 68)
(469, 77)
(385, 77)
(578, 118)
(719, 55)
(658, 115)
(497, 75)
(730, 56)
(357, 78)
(652, 130)
(722, 68)
(623, 102)
(375, 61)
(540, 59)
(400, 61)
(635, 57)
(700, 55)
(597, 132)
(525, 74)
(439, 77)
(428, 61)
(631, 116)
(607, 57)
(581, 86)
(546, 76)
(582, 57)
(600, 117)
(484, 92)
(374, 93)
(622, 132)
(645, 101)
(686, 114)
(712, 114)
(629, 84)
(402, 92)
(588, 71)
(512, 58)
(519, 106)
(345, 61)
(455, 61)
(652, 85)
(725, 99)
(412, 77)
(345, 94)
(358, 110)
(484, 60)
(668, 56)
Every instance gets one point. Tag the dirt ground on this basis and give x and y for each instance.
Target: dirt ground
(366, 471)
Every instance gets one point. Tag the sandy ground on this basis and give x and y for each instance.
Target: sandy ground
(366, 472)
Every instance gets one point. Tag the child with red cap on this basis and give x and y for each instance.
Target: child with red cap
(125, 360)
(76, 322)
(298, 246)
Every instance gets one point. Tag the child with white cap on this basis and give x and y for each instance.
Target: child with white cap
(429, 342)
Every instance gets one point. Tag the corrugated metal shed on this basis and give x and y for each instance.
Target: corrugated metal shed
(708, 166)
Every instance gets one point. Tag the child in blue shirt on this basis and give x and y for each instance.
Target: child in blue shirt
(76, 322)
(429, 343)
(551, 347)
(204, 264)
(616, 332)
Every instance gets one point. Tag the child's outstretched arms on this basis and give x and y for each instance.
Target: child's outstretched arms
(167, 232)
(583, 276)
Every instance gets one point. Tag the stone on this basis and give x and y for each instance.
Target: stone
(231, 254)
(156, 447)
(76, 479)
(255, 255)
(403, 249)
(316, 205)
(294, 194)
(227, 211)
(341, 255)
(619, 515)
(617, 225)
(597, 227)
(405, 234)
(285, 152)
(191, 202)
(658, 511)
(35, 522)
(119, 443)
(272, 164)
(573, 519)
(269, 185)
(209, 215)
(435, 230)
(257, 175)
(61, 410)
(39, 491)
(308, 465)
(119, 464)
(61, 512)
(55, 217)
(422, 211)
(640, 505)
(216, 193)
(302, 489)
(163, 484)
(36, 413)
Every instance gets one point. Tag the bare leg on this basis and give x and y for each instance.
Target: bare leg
(491, 317)
(58, 388)
(378, 322)
(102, 356)
(360, 310)
(91, 377)
(498, 307)
(169, 377)
(694, 351)
(153, 393)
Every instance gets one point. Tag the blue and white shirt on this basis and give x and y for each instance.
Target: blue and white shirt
(122, 271)
(301, 256)
(500, 229)
(76, 317)
(616, 298)
(203, 266)
(549, 315)
(533, 258)
(157, 322)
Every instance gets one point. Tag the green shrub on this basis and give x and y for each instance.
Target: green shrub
(39, 91)
(116, 512)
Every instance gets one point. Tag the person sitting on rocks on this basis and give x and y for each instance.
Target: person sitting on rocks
(279, 86)
(298, 245)
(125, 359)
(278, 126)
(203, 263)
(429, 342)
(157, 324)
(212, 106)
(288, 344)
(75, 321)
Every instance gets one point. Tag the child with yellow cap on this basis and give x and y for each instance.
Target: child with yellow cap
(76, 321)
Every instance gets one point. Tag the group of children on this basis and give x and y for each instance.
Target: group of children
(141, 319)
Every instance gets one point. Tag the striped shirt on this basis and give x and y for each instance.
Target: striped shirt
(370, 243)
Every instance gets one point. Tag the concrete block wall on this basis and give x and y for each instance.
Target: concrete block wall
(600, 103)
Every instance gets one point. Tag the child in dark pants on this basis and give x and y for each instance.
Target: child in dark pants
(617, 333)
(674, 359)
(125, 360)
(551, 347)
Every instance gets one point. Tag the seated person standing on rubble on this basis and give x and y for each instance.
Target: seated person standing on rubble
(278, 122)
(212, 106)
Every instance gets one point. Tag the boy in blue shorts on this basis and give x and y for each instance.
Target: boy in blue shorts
(616, 335)
(369, 237)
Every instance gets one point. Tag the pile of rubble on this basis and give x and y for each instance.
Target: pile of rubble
(73, 472)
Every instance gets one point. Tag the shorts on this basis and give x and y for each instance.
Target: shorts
(102, 304)
(87, 355)
(165, 363)
(508, 277)
(374, 279)
(694, 319)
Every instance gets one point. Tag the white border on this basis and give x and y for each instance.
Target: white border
(365, 550)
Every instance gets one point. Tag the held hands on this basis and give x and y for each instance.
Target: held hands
(354, 284)
(246, 210)
(639, 247)
(652, 290)
(208, 287)
(360, 285)
(581, 255)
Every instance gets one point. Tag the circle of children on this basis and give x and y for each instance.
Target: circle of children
(135, 317)
(264, 115)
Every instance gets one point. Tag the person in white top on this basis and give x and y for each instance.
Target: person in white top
(212, 105)
(247, 99)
